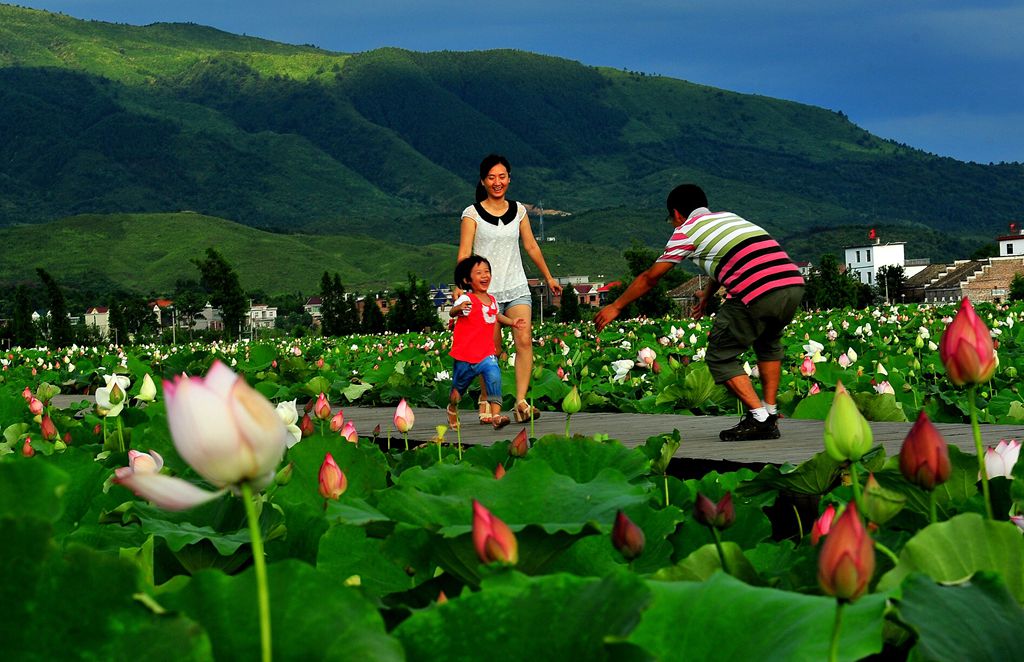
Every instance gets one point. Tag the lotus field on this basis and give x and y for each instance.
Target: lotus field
(226, 502)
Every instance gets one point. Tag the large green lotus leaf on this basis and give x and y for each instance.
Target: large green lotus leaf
(750, 527)
(815, 407)
(724, 619)
(816, 476)
(83, 490)
(513, 618)
(953, 550)
(79, 604)
(313, 615)
(381, 565)
(530, 493)
(582, 458)
(976, 620)
(786, 566)
(32, 487)
(705, 561)
(596, 556)
(178, 534)
(880, 407)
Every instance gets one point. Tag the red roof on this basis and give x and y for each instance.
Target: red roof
(97, 310)
(313, 301)
(163, 303)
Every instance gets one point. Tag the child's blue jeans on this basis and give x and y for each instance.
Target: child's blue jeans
(464, 373)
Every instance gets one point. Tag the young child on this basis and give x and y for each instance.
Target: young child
(475, 314)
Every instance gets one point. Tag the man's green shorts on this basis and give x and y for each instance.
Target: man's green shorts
(738, 327)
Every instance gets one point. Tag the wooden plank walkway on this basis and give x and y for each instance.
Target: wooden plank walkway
(801, 439)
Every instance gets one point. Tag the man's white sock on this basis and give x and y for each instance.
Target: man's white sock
(760, 414)
(771, 409)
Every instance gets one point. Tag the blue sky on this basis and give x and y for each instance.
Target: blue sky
(946, 76)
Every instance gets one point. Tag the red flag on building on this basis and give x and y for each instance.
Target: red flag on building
(872, 234)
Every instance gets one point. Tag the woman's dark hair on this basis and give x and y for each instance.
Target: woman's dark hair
(489, 162)
(464, 270)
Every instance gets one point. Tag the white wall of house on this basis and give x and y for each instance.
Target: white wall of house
(864, 261)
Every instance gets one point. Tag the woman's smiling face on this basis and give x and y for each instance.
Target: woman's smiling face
(496, 181)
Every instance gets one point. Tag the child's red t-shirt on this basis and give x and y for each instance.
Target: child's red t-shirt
(474, 334)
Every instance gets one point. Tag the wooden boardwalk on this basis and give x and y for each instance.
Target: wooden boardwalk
(801, 439)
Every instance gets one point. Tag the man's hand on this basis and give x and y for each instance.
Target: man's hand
(606, 316)
(698, 308)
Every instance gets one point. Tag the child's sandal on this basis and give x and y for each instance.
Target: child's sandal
(524, 412)
(499, 421)
(485, 412)
(453, 418)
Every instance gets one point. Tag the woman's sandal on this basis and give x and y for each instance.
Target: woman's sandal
(485, 412)
(453, 418)
(524, 412)
(499, 421)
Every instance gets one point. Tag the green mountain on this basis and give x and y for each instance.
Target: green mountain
(149, 253)
(103, 119)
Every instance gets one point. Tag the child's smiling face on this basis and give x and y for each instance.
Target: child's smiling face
(480, 277)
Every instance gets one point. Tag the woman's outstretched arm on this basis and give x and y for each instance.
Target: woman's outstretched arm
(532, 249)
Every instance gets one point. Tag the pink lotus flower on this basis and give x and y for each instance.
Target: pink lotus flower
(966, 348)
(493, 540)
(807, 367)
(884, 388)
(224, 429)
(646, 356)
(337, 422)
(322, 408)
(348, 433)
(27, 394)
(1000, 459)
(847, 559)
(499, 472)
(814, 390)
(138, 462)
(719, 515)
(35, 406)
(924, 457)
(520, 445)
(333, 482)
(26, 448)
(404, 417)
(823, 524)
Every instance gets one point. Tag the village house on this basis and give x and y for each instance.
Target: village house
(99, 317)
(261, 316)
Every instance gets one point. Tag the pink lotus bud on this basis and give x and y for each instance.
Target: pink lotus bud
(823, 524)
(349, 433)
(807, 367)
(320, 362)
(49, 430)
(646, 356)
(966, 348)
(814, 390)
(322, 408)
(493, 540)
(273, 364)
(97, 429)
(337, 421)
(35, 406)
(627, 537)
(306, 426)
(404, 417)
(520, 444)
(441, 598)
(561, 373)
(924, 457)
(376, 431)
(27, 394)
(66, 438)
(847, 559)
(499, 471)
(719, 515)
(333, 482)
(26, 448)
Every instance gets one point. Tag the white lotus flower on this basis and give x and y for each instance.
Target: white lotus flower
(621, 368)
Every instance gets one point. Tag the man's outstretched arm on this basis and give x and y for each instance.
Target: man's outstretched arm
(640, 286)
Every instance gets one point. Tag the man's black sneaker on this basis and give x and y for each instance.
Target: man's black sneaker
(748, 429)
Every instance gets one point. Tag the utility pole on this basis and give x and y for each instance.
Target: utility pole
(540, 210)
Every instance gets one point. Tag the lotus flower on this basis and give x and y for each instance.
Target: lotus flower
(646, 357)
(289, 415)
(48, 429)
(884, 388)
(322, 408)
(823, 524)
(224, 429)
(306, 426)
(333, 482)
(621, 368)
(847, 434)
(348, 432)
(337, 422)
(627, 537)
(493, 540)
(924, 457)
(966, 348)
(110, 398)
(35, 406)
(147, 392)
(572, 403)
(520, 445)
(807, 367)
(139, 462)
(404, 417)
(719, 515)
(499, 472)
(847, 559)
(1000, 459)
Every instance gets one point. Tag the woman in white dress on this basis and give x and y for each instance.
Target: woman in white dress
(494, 227)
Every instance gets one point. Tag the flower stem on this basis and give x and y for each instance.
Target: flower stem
(888, 552)
(405, 435)
(799, 522)
(567, 417)
(439, 451)
(721, 552)
(260, 563)
(533, 436)
(833, 649)
(458, 436)
(971, 398)
(932, 511)
(665, 481)
(120, 435)
(855, 480)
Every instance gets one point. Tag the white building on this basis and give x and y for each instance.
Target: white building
(865, 260)
(262, 316)
(1012, 244)
(208, 319)
(99, 317)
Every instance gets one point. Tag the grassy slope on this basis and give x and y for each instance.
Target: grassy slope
(150, 252)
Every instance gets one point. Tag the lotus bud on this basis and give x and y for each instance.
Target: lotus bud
(493, 540)
(333, 482)
(719, 515)
(807, 367)
(880, 504)
(627, 537)
(441, 598)
(147, 392)
(499, 472)
(823, 524)
(847, 433)
(306, 426)
(27, 394)
(284, 476)
(116, 394)
(348, 432)
(404, 417)
(572, 403)
(337, 422)
(966, 348)
(35, 406)
(322, 408)
(520, 444)
(924, 457)
(48, 429)
(376, 431)
(26, 448)
(847, 559)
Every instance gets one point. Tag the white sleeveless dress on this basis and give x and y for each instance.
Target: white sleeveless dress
(500, 245)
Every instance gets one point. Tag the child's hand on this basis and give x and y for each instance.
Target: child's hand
(463, 304)
(519, 323)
